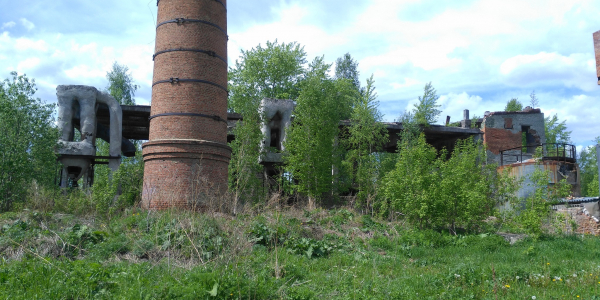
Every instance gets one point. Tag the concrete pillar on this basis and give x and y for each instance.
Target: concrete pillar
(187, 153)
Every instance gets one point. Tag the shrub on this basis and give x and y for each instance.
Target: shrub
(435, 192)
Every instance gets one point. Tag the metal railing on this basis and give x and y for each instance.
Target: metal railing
(551, 151)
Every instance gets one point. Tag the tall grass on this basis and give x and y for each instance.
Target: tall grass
(277, 253)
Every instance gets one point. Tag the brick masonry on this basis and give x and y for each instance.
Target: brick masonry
(187, 156)
(503, 130)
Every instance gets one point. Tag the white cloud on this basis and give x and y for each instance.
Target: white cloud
(28, 44)
(9, 24)
(453, 105)
(549, 69)
(27, 24)
(407, 82)
(84, 71)
(290, 27)
(28, 64)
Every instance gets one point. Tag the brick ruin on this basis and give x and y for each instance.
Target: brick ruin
(188, 127)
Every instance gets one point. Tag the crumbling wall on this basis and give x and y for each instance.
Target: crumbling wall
(79, 103)
(505, 130)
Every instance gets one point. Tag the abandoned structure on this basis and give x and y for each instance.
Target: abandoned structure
(188, 121)
(188, 126)
(512, 139)
(77, 105)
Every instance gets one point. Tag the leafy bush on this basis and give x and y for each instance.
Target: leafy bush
(80, 237)
(264, 235)
(307, 246)
(538, 205)
(435, 192)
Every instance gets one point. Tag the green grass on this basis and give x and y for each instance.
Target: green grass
(293, 254)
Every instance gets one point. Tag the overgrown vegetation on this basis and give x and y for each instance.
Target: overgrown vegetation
(588, 170)
(513, 105)
(291, 254)
(420, 223)
(27, 139)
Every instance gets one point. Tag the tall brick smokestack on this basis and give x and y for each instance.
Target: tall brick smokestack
(187, 153)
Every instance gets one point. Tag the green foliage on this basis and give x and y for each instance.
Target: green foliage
(513, 105)
(347, 68)
(311, 248)
(366, 136)
(466, 187)
(408, 188)
(426, 111)
(556, 132)
(122, 189)
(358, 260)
(112, 192)
(310, 144)
(538, 205)
(435, 192)
(264, 235)
(588, 170)
(271, 72)
(120, 84)
(80, 237)
(593, 187)
(27, 140)
(533, 100)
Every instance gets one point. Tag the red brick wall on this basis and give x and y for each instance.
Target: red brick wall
(501, 139)
(187, 155)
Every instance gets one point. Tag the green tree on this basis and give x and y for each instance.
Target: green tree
(366, 137)
(347, 68)
(407, 189)
(121, 85)
(127, 182)
(274, 71)
(310, 145)
(588, 170)
(27, 141)
(426, 111)
(513, 105)
(556, 132)
(435, 192)
(533, 100)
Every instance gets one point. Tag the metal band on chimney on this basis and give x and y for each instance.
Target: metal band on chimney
(207, 52)
(180, 21)
(158, 1)
(176, 80)
(216, 118)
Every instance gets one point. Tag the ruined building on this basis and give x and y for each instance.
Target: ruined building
(77, 105)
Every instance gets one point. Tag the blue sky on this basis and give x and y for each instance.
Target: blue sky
(478, 54)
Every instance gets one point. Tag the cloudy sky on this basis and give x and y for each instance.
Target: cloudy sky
(478, 54)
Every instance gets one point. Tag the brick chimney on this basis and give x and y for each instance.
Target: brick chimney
(187, 154)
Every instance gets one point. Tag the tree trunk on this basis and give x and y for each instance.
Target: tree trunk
(311, 203)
